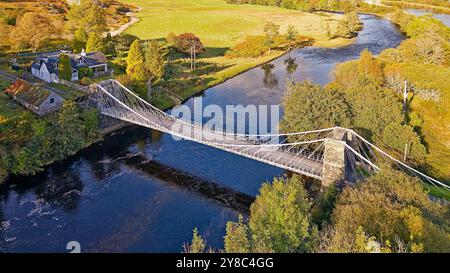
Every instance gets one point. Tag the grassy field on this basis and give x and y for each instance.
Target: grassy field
(220, 26)
(436, 116)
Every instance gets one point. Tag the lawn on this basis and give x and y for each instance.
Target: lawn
(220, 26)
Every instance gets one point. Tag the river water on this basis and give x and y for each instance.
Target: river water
(444, 18)
(141, 191)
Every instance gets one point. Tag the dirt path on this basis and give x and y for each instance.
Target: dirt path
(132, 21)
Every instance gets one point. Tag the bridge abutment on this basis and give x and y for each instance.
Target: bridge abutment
(334, 161)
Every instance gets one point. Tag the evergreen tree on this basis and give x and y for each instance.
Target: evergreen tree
(95, 43)
(135, 54)
(65, 67)
(136, 68)
(155, 62)
(80, 39)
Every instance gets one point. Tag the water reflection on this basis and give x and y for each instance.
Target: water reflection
(291, 66)
(270, 80)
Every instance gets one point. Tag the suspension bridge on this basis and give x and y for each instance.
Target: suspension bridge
(330, 155)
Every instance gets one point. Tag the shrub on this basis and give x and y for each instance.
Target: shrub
(252, 47)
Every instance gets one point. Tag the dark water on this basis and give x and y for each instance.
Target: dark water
(444, 18)
(139, 191)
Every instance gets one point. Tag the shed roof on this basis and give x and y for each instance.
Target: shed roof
(34, 95)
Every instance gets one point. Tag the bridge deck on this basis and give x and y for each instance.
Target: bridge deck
(304, 163)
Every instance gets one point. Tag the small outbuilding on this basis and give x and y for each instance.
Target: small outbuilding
(39, 100)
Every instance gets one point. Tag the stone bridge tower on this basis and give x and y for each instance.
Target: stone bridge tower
(335, 168)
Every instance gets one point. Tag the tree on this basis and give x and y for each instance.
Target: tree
(33, 29)
(292, 33)
(197, 245)
(373, 109)
(271, 30)
(370, 70)
(252, 47)
(186, 42)
(155, 61)
(237, 238)
(80, 39)
(367, 71)
(88, 15)
(398, 137)
(349, 26)
(279, 221)
(95, 43)
(291, 37)
(70, 130)
(135, 54)
(5, 30)
(395, 209)
(308, 107)
(65, 67)
(136, 63)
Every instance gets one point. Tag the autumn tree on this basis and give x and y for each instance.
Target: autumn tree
(360, 73)
(395, 209)
(197, 245)
(186, 42)
(4, 33)
(88, 15)
(237, 239)
(33, 29)
(369, 69)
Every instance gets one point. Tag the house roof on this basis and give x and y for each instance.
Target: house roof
(50, 63)
(90, 59)
(22, 90)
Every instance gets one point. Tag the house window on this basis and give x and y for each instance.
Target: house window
(52, 100)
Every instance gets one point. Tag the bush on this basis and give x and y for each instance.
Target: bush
(86, 81)
(251, 47)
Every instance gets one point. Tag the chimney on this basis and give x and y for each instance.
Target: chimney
(83, 53)
(45, 59)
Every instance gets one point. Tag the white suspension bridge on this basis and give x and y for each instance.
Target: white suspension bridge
(330, 155)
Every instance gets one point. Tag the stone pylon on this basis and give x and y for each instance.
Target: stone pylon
(335, 160)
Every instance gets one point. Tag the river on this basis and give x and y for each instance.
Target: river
(444, 18)
(141, 191)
